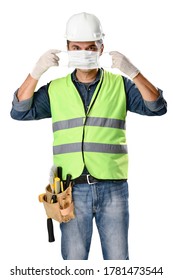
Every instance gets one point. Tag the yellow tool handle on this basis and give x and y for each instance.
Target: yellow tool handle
(41, 197)
(57, 184)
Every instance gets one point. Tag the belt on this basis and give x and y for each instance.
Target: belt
(88, 179)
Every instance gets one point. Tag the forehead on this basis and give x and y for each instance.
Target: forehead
(82, 44)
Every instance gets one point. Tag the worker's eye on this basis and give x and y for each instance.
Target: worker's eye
(92, 48)
(75, 48)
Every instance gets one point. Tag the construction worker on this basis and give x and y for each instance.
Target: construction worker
(88, 109)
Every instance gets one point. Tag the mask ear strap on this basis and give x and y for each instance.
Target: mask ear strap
(63, 56)
(100, 46)
(106, 60)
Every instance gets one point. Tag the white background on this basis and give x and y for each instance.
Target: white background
(141, 30)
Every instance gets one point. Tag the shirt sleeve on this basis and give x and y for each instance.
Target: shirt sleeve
(136, 104)
(34, 108)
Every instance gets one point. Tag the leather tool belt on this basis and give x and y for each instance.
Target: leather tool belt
(63, 209)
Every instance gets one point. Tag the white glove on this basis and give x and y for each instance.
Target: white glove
(123, 64)
(47, 60)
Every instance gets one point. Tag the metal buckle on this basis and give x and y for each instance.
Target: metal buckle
(88, 175)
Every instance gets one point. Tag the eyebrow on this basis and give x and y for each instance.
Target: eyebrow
(92, 45)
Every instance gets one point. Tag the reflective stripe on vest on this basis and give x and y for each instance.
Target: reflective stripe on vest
(90, 147)
(91, 121)
(97, 138)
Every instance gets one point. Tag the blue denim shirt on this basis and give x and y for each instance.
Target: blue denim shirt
(38, 106)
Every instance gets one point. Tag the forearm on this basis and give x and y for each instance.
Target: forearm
(147, 90)
(27, 89)
(136, 103)
(34, 108)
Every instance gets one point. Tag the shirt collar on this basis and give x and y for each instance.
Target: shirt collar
(97, 79)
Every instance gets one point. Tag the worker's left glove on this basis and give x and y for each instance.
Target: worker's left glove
(123, 64)
(47, 60)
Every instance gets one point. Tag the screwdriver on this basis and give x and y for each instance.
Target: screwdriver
(50, 230)
(59, 172)
(68, 179)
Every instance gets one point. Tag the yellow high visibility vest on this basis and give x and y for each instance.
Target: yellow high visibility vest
(96, 139)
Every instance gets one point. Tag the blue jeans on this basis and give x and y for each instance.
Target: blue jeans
(107, 202)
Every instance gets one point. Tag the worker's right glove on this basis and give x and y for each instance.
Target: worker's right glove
(47, 60)
(123, 64)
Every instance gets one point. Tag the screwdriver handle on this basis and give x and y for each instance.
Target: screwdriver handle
(68, 179)
(50, 230)
(59, 172)
(54, 198)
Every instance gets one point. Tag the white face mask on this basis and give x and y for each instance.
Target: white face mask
(84, 59)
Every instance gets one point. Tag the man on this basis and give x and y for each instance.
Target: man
(88, 110)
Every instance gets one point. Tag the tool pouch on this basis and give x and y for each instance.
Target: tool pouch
(63, 209)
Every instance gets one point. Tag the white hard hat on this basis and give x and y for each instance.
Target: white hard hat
(84, 27)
